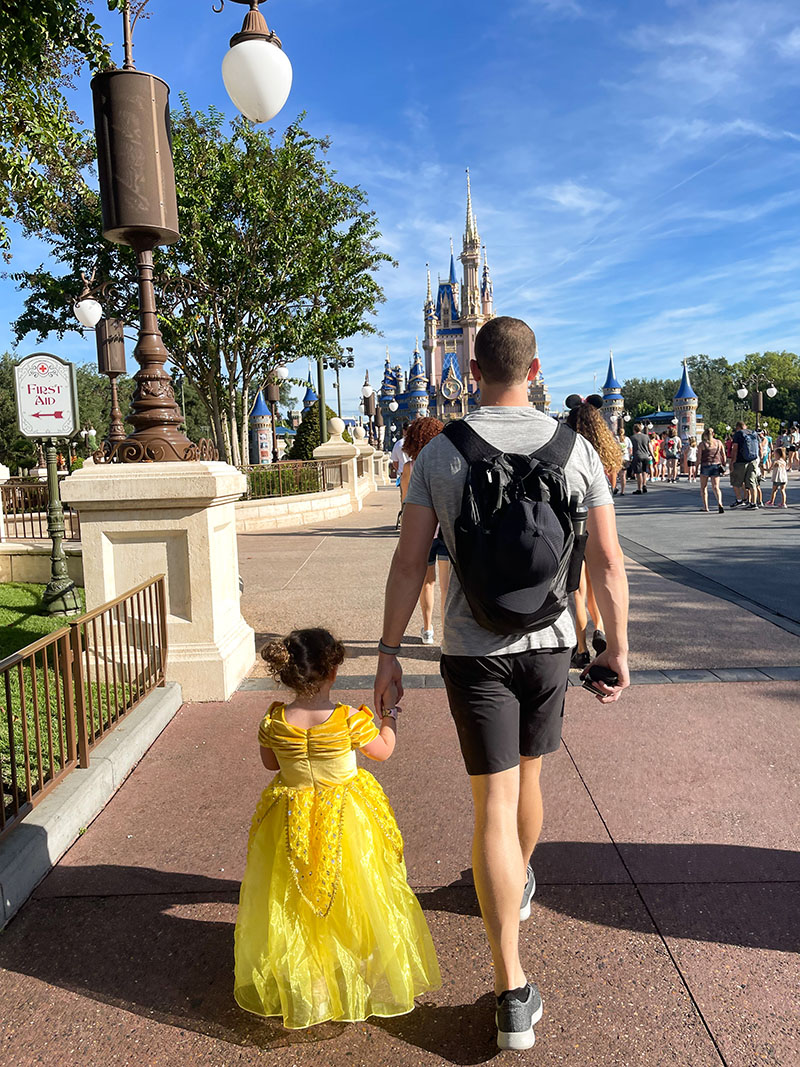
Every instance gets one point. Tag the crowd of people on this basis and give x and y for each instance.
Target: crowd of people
(749, 456)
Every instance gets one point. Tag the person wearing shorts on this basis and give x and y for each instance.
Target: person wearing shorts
(505, 692)
(641, 459)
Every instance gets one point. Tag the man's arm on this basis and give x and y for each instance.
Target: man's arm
(606, 568)
(406, 575)
(734, 452)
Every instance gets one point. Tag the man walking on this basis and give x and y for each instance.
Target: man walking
(744, 467)
(642, 459)
(506, 693)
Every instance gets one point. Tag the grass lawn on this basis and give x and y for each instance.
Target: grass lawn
(21, 619)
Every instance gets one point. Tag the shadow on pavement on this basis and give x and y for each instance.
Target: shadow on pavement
(722, 894)
(167, 954)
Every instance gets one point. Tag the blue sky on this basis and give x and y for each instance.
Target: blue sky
(635, 166)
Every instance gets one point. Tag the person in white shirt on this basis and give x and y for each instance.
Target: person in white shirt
(398, 457)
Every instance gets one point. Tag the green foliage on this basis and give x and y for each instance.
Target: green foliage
(715, 381)
(22, 617)
(347, 436)
(280, 258)
(645, 396)
(42, 149)
(15, 450)
(307, 438)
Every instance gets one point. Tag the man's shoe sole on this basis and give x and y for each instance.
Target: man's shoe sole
(520, 1039)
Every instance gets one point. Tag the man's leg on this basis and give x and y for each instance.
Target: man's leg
(530, 810)
(499, 870)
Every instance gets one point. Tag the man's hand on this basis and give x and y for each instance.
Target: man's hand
(388, 683)
(615, 661)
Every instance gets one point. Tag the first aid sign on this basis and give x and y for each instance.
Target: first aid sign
(47, 396)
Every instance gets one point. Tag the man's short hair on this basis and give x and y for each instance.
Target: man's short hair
(740, 425)
(638, 427)
(405, 425)
(504, 350)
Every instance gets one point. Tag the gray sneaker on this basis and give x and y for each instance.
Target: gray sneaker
(515, 1019)
(530, 889)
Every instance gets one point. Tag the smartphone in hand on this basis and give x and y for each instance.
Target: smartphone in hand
(598, 673)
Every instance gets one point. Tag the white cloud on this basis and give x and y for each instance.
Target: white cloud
(574, 197)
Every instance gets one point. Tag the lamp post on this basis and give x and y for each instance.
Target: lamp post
(273, 399)
(368, 394)
(139, 205)
(111, 362)
(336, 363)
(753, 384)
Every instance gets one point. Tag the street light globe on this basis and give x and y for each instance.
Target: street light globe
(649, 426)
(282, 374)
(367, 391)
(258, 77)
(626, 418)
(393, 405)
(674, 422)
(741, 392)
(771, 390)
(88, 312)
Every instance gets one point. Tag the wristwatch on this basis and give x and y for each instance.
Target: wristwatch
(390, 713)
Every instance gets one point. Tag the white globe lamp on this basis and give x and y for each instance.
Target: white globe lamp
(367, 391)
(256, 71)
(771, 390)
(282, 374)
(393, 405)
(741, 392)
(88, 312)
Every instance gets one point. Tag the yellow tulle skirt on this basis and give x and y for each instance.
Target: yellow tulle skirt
(328, 928)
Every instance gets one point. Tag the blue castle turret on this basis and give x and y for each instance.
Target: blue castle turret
(310, 396)
(260, 430)
(685, 406)
(613, 402)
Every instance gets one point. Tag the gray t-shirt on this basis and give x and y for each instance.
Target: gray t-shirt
(437, 482)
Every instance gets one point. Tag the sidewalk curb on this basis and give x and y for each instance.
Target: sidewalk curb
(42, 837)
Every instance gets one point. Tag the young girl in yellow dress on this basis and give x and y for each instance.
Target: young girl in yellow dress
(328, 927)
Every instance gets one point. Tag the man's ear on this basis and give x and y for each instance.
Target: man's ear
(475, 370)
(535, 368)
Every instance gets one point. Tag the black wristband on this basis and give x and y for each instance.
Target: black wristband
(388, 650)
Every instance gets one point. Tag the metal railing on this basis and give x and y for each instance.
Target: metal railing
(24, 505)
(60, 695)
(291, 478)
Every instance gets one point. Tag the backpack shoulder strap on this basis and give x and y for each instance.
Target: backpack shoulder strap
(559, 448)
(470, 444)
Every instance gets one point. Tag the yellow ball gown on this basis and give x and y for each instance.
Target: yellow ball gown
(328, 928)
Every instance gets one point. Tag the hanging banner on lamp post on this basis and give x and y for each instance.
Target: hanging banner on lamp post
(47, 396)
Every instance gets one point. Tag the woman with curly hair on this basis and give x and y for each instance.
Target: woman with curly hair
(417, 436)
(585, 418)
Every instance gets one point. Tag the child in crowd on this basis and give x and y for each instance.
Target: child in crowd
(779, 478)
(328, 927)
(691, 459)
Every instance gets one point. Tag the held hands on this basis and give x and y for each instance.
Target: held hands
(388, 683)
(615, 661)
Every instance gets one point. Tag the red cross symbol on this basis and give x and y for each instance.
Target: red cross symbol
(43, 368)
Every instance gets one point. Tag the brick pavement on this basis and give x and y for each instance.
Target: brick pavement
(664, 930)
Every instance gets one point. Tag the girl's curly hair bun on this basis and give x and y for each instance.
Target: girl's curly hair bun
(304, 659)
(276, 656)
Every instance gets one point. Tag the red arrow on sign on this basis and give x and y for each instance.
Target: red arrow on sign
(47, 415)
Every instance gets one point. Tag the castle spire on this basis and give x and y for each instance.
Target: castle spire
(612, 385)
(453, 278)
(471, 231)
(429, 298)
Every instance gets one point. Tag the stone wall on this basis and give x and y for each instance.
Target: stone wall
(27, 561)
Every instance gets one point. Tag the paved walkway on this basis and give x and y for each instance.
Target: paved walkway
(665, 927)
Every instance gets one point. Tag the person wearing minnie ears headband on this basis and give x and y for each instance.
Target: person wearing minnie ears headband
(505, 692)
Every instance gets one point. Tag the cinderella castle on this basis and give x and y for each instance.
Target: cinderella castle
(439, 381)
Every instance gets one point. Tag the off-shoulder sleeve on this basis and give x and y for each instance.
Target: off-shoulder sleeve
(265, 726)
(362, 727)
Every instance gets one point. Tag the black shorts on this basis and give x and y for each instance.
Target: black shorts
(507, 706)
(438, 551)
(640, 464)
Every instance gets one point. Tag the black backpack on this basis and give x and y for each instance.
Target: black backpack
(748, 447)
(519, 539)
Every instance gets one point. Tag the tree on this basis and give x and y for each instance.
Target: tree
(42, 149)
(713, 382)
(307, 438)
(780, 368)
(277, 261)
(646, 396)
